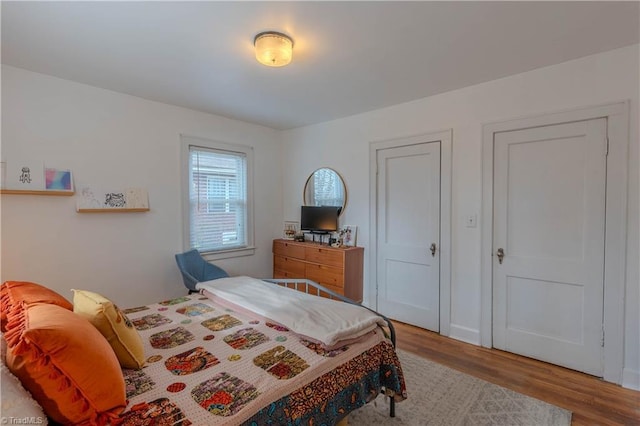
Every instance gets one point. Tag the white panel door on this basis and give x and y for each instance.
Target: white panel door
(408, 226)
(549, 217)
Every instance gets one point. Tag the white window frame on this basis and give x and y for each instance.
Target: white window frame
(185, 143)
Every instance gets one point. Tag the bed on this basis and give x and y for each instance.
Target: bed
(219, 357)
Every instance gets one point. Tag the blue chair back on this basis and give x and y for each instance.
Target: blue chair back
(195, 269)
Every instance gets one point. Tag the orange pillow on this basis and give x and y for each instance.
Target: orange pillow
(13, 293)
(67, 365)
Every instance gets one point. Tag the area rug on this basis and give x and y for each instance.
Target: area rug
(438, 395)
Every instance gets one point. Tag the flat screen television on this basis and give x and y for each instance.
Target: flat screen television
(319, 219)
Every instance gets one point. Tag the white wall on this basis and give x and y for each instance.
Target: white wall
(110, 139)
(344, 145)
(113, 140)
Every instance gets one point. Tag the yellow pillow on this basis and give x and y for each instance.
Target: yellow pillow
(114, 326)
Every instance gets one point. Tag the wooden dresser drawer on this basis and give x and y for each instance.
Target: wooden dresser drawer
(324, 255)
(325, 275)
(290, 265)
(278, 273)
(285, 248)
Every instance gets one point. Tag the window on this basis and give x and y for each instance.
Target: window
(217, 205)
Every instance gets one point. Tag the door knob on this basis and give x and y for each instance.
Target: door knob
(433, 249)
(500, 254)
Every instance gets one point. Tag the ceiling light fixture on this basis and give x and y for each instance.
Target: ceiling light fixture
(273, 49)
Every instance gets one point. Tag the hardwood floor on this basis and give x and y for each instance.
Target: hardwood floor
(591, 400)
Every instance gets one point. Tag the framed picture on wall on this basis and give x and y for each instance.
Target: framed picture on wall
(58, 180)
(27, 175)
(94, 198)
(349, 234)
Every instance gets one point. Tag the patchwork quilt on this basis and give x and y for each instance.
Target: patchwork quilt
(208, 364)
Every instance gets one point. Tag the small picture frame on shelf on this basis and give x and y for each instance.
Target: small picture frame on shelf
(290, 230)
(348, 235)
(27, 175)
(58, 180)
(93, 200)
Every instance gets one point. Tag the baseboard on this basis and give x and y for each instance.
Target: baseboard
(630, 379)
(465, 334)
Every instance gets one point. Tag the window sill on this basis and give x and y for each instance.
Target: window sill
(227, 254)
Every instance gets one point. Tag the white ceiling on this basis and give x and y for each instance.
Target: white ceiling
(349, 57)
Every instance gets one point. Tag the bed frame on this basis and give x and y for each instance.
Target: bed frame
(313, 288)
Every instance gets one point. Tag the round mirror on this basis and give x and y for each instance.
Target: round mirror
(325, 187)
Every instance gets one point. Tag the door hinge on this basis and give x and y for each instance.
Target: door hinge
(602, 337)
(606, 154)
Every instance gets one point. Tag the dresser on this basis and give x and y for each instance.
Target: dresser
(338, 269)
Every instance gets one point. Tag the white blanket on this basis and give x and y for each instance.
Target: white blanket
(320, 319)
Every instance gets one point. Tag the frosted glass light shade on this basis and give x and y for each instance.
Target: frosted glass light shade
(273, 49)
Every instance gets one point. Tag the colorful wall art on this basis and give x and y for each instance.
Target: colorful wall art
(33, 175)
(93, 198)
(58, 180)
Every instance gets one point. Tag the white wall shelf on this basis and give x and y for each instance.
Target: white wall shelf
(30, 192)
(113, 210)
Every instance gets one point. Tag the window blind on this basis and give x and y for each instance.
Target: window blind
(217, 199)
